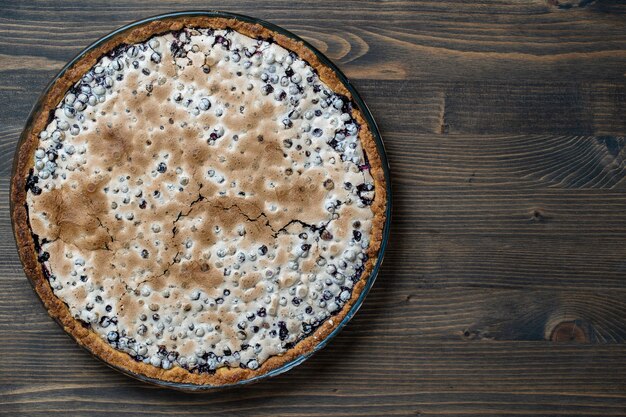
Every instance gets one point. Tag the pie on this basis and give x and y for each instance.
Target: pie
(198, 200)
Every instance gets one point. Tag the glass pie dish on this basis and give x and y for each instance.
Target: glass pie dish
(34, 172)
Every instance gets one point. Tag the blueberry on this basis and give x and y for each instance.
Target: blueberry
(177, 51)
(326, 235)
(144, 254)
(205, 104)
(108, 308)
(162, 350)
(162, 167)
(282, 330)
(261, 312)
(31, 180)
(317, 132)
(70, 111)
(223, 41)
(263, 250)
(365, 187)
(357, 235)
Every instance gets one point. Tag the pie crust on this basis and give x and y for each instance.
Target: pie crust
(29, 253)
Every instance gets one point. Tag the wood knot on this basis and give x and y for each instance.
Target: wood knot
(613, 145)
(537, 215)
(569, 331)
(477, 334)
(570, 4)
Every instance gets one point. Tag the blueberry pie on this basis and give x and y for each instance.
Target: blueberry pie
(198, 200)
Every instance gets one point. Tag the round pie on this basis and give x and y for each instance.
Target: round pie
(198, 199)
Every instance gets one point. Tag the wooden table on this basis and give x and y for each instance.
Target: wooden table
(504, 288)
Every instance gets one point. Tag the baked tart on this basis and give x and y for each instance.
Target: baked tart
(198, 199)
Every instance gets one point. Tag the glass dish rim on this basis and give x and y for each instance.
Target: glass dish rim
(189, 387)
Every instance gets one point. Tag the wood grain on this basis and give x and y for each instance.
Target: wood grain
(504, 287)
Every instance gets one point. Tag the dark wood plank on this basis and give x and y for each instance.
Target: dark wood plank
(401, 39)
(518, 162)
(503, 291)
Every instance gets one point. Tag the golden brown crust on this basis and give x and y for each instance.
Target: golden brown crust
(26, 245)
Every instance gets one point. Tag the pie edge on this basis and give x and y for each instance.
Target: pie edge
(59, 311)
